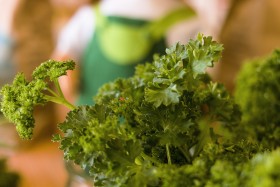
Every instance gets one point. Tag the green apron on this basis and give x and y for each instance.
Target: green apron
(118, 45)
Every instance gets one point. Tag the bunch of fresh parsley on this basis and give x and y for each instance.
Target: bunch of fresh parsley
(156, 122)
(21, 97)
(169, 125)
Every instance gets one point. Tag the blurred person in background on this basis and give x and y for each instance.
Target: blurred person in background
(251, 29)
(105, 40)
(63, 11)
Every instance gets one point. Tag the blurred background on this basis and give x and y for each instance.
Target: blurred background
(31, 32)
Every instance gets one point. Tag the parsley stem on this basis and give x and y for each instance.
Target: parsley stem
(57, 85)
(168, 154)
(155, 161)
(52, 92)
(186, 153)
(60, 100)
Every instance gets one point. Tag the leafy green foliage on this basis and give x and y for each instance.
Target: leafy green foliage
(263, 170)
(217, 165)
(52, 70)
(18, 102)
(258, 94)
(168, 125)
(182, 68)
(19, 99)
(161, 118)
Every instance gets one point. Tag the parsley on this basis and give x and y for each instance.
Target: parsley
(143, 126)
(169, 125)
(20, 98)
(257, 93)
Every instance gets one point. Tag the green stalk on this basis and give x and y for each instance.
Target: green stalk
(186, 153)
(57, 85)
(52, 92)
(119, 157)
(168, 154)
(60, 100)
(155, 161)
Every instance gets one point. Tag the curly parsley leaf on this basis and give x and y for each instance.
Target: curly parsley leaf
(180, 68)
(52, 69)
(19, 99)
(18, 102)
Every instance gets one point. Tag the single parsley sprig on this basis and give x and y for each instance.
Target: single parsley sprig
(19, 98)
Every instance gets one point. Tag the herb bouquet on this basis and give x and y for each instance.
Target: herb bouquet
(168, 125)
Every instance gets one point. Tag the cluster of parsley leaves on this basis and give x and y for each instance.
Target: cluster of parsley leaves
(169, 125)
(154, 125)
(19, 99)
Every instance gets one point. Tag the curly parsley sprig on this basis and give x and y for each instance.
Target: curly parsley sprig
(19, 98)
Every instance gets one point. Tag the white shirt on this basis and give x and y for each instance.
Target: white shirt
(74, 37)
